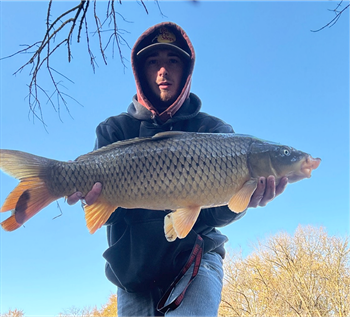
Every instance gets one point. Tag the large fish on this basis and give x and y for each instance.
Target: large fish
(178, 171)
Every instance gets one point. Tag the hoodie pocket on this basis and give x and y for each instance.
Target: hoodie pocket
(142, 257)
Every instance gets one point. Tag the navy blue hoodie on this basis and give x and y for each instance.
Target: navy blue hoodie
(139, 257)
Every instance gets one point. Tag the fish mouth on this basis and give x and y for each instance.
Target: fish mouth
(309, 165)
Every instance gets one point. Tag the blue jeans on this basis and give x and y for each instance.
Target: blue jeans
(202, 297)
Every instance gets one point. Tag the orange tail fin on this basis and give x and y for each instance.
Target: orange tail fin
(26, 200)
(31, 194)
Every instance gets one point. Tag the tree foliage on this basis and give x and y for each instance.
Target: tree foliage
(108, 310)
(13, 313)
(307, 274)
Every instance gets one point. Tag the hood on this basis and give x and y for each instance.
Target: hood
(186, 44)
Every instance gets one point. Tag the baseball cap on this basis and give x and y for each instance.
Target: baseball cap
(164, 37)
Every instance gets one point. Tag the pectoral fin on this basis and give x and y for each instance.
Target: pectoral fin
(240, 201)
(179, 223)
(97, 214)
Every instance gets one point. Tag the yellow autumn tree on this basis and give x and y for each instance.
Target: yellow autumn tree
(107, 310)
(110, 309)
(80, 312)
(13, 313)
(307, 274)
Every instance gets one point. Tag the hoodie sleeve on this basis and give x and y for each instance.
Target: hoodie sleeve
(115, 129)
(205, 123)
(106, 133)
(219, 216)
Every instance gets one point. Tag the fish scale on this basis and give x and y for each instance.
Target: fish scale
(178, 171)
(178, 175)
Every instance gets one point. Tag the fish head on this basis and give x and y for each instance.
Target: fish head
(268, 158)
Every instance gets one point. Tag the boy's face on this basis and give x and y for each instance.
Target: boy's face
(163, 71)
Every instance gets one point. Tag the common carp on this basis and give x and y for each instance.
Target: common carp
(178, 171)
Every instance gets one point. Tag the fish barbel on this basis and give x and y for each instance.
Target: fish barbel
(178, 171)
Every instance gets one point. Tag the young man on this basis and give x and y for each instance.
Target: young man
(148, 269)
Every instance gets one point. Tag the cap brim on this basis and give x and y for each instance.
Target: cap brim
(153, 47)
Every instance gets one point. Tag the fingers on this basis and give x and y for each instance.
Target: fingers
(93, 194)
(258, 194)
(74, 198)
(281, 186)
(90, 197)
(270, 191)
(267, 190)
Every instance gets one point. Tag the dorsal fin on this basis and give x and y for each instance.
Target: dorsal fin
(124, 143)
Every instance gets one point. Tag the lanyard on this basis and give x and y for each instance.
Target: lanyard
(195, 257)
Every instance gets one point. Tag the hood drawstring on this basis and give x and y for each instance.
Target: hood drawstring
(153, 114)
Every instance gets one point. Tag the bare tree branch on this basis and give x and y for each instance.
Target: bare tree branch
(60, 32)
(336, 18)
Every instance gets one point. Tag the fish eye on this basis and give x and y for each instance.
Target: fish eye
(286, 152)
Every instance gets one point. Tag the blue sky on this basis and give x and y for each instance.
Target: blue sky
(258, 67)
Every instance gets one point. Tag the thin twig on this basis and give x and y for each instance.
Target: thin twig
(335, 19)
(66, 24)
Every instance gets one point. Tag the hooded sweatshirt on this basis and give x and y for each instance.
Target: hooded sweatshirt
(139, 257)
